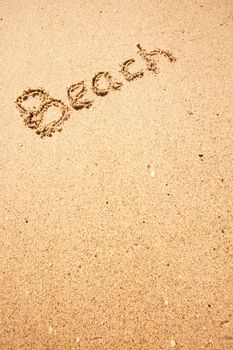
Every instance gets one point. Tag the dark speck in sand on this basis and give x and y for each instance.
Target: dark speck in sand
(201, 156)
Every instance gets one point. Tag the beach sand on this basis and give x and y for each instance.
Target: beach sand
(116, 229)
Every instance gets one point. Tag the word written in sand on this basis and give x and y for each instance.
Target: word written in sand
(34, 103)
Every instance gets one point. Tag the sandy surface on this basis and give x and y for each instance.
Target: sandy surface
(116, 232)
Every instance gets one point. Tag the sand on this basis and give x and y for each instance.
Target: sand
(116, 175)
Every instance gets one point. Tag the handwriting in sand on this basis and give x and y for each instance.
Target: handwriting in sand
(33, 116)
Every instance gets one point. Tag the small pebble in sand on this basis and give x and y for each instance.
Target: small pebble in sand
(173, 343)
(152, 173)
(166, 302)
(50, 329)
(115, 10)
(77, 339)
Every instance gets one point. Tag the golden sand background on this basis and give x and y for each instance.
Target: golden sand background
(116, 233)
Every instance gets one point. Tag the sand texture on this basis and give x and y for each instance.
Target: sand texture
(116, 172)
